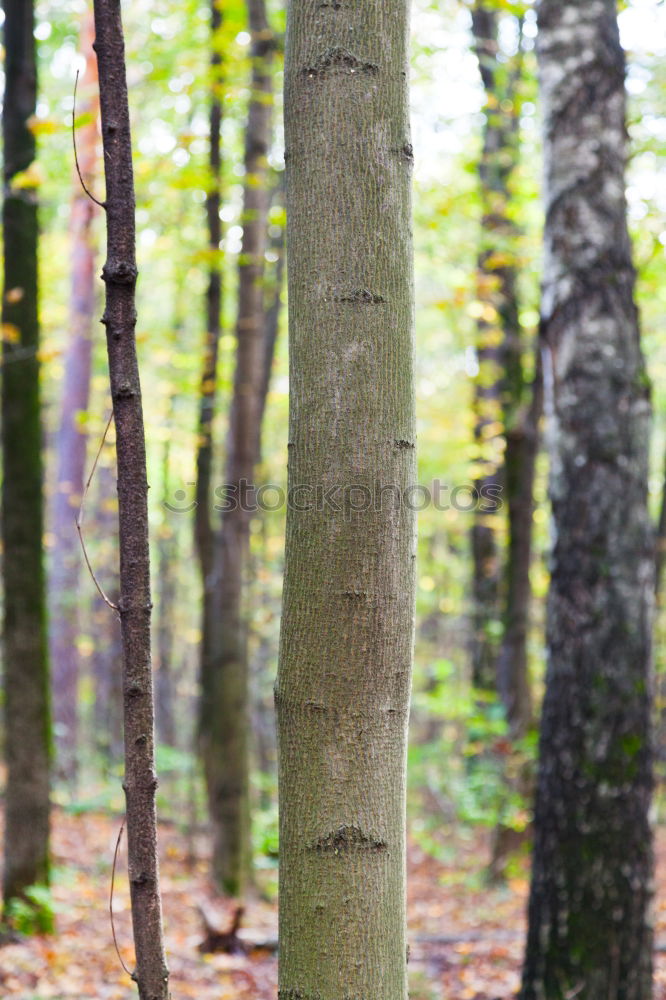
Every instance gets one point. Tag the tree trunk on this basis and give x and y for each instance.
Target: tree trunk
(499, 388)
(660, 542)
(134, 606)
(72, 437)
(167, 562)
(203, 527)
(515, 408)
(108, 702)
(342, 693)
(224, 704)
(520, 456)
(590, 932)
(27, 714)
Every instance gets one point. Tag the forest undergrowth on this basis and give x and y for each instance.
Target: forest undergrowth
(466, 938)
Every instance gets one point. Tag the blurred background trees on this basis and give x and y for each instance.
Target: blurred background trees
(211, 218)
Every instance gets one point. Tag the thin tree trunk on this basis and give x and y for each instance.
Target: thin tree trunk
(499, 385)
(520, 456)
(273, 304)
(501, 377)
(225, 706)
(660, 556)
(167, 562)
(108, 702)
(134, 606)
(590, 931)
(72, 437)
(342, 693)
(27, 710)
(203, 527)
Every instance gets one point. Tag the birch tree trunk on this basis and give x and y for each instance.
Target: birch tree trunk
(134, 606)
(342, 692)
(71, 440)
(590, 934)
(224, 704)
(26, 681)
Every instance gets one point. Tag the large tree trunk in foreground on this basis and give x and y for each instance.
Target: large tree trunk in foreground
(72, 437)
(342, 692)
(590, 933)
(225, 707)
(27, 717)
(134, 606)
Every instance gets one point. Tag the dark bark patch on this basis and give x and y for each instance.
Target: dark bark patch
(338, 60)
(121, 273)
(362, 296)
(347, 838)
(296, 994)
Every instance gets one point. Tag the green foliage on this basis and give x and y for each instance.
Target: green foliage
(33, 913)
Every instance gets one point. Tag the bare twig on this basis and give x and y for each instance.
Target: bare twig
(102, 204)
(79, 518)
(113, 879)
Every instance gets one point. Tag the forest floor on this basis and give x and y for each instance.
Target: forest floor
(466, 939)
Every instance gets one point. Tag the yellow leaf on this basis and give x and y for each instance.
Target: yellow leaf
(10, 333)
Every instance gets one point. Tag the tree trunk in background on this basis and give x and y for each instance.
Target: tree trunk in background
(134, 606)
(499, 387)
(515, 405)
(107, 679)
(167, 563)
(590, 932)
(342, 693)
(225, 707)
(72, 437)
(520, 456)
(498, 157)
(203, 527)
(26, 681)
(660, 542)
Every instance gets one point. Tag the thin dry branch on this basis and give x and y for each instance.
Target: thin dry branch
(79, 518)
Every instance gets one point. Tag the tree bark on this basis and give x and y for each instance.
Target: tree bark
(501, 586)
(516, 408)
(167, 561)
(590, 933)
(224, 703)
(660, 543)
(71, 439)
(27, 707)
(203, 526)
(134, 606)
(107, 713)
(342, 692)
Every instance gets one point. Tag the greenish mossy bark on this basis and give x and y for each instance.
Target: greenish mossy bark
(27, 708)
(342, 692)
(590, 931)
(225, 716)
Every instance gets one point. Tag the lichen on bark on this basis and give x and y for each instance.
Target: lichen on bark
(590, 933)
